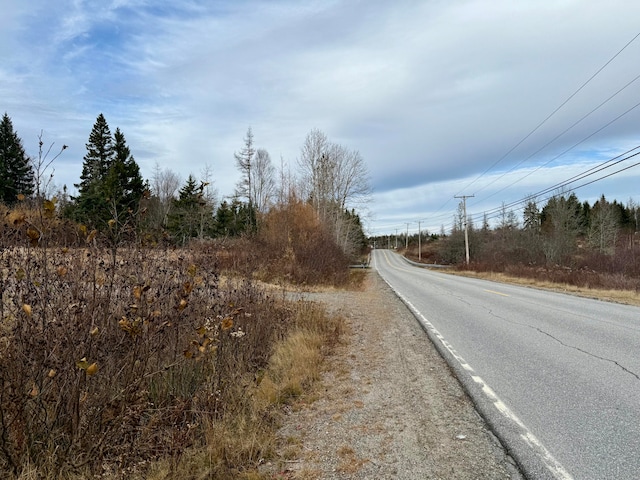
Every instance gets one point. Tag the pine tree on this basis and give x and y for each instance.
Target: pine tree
(16, 172)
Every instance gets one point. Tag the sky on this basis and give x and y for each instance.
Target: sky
(497, 100)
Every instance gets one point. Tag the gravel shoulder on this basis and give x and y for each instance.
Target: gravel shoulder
(387, 406)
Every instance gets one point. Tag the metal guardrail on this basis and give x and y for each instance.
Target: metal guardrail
(424, 265)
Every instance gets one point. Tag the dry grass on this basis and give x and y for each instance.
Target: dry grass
(627, 297)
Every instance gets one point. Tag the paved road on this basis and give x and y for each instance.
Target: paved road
(556, 376)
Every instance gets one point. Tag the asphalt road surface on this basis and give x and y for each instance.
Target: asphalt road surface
(556, 376)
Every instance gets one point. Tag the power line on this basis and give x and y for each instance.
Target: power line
(552, 113)
(492, 213)
(566, 151)
(560, 135)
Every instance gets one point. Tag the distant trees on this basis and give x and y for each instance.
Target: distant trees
(113, 198)
(564, 232)
(191, 214)
(16, 172)
(110, 185)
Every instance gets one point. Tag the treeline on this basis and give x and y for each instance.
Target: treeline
(121, 206)
(565, 240)
(562, 232)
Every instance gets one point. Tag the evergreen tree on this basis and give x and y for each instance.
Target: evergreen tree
(233, 220)
(91, 205)
(191, 215)
(224, 222)
(16, 172)
(110, 185)
(123, 186)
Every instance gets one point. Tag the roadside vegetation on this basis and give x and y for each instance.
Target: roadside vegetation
(593, 250)
(146, 329)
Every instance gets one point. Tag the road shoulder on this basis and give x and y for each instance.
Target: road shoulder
(388, 405)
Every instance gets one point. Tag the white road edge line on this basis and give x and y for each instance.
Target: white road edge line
(556, 469)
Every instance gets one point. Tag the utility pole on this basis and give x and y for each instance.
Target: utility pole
(396, 239)
(466, 222)
(406, 243)
(419, 242)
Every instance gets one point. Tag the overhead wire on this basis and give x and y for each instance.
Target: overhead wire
(537, 127)
(492, 213)
(566, 151)
(560, 135)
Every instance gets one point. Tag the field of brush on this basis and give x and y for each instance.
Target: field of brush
(142, 363)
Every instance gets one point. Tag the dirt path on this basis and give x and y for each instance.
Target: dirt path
(388, 406)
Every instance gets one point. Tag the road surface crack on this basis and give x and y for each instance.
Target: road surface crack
(581, 350)
(625, 369)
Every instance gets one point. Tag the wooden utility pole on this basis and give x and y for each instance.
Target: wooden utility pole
(466, 223)
(419, 243)
(406, 243)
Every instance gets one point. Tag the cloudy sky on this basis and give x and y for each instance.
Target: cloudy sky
(440, 97)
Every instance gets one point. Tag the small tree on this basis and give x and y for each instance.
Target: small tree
(16, 172)
(188, 211)
(603, 227)
(164, 186)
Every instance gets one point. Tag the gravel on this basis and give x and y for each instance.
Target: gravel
(387, 407)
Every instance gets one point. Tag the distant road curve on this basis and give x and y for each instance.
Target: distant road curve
(556, 376)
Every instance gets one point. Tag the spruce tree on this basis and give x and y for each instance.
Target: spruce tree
(90, 204)
(110, 186)
(123, 186)
(191, 215)
(16, 172)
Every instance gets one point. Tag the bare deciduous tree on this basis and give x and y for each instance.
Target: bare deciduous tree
(334, 176)
(335, 179)
(164, 185)
(263, 181)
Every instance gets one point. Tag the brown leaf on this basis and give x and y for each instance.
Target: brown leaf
(33, 233)
(92, 369)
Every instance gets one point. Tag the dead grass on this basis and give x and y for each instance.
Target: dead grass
(627, 297)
